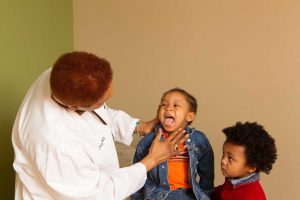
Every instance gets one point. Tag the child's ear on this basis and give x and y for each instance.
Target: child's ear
(190, 117)
(251, 169)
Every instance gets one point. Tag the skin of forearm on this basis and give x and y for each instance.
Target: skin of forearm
(146, 127)
(149, 162)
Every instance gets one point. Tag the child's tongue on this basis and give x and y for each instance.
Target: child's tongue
(169, 121)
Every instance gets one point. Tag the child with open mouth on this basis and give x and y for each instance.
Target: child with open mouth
(189, 174)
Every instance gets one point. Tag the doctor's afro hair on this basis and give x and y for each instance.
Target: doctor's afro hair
(260, 149)
(80, 78)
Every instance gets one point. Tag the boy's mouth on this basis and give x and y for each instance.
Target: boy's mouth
(169, 121)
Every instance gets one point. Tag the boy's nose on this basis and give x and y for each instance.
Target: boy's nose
(169, 107)
(223, 161)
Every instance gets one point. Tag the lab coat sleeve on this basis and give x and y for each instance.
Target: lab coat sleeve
(123, 125)
(70, 174)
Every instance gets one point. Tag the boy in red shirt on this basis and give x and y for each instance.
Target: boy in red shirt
(247, 150)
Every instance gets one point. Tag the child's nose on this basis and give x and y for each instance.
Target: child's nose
(170, 107)
(223, 161)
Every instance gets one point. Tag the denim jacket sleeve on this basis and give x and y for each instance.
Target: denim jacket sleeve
(138, 156)
(140, 153)
(206, 172)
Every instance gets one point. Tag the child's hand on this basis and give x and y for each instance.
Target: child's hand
(161, 151)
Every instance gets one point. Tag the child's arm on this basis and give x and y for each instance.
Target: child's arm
(140, 153)
(206, 172)
(138, 156)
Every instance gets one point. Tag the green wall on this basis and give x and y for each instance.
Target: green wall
(33, 34)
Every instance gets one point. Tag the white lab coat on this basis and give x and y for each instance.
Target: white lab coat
(60, 154)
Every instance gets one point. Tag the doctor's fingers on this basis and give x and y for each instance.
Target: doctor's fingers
(178, 137)
(181, 149)
(158, 135)
(177, 146)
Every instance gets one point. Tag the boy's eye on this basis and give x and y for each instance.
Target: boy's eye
(163, 105)
(230, 159)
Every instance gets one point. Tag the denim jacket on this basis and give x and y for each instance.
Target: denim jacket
(201, 168)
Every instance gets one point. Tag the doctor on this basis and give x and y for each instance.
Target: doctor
(63, 136)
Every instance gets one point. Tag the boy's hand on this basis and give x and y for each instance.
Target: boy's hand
(161, 151)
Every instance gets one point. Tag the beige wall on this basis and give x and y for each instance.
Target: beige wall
(239, 58)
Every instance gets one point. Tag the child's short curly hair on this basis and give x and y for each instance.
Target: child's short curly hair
(190, 98)
(260, 149)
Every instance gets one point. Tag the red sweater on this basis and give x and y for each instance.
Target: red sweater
(248, 191)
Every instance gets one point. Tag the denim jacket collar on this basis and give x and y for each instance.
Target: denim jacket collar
(249, 179)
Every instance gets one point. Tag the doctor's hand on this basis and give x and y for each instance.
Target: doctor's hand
(161, 151)
(147, 127)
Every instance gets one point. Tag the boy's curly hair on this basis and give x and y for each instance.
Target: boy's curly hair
(260, 149)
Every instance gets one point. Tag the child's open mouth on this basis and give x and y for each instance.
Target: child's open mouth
(169, 121)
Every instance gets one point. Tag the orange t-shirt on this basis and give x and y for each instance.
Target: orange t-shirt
(178, 167)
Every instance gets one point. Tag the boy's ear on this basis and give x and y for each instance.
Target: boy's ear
(190, 117)
(251, 169)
